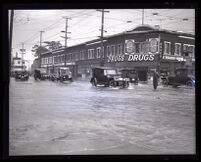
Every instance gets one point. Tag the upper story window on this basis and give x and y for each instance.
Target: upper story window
(119, 49)
(137, 47)
(77, 56)
(98, 52)
(167, 48)
(177, 49)
(154, 45)
(90, 53)
(82, 55)
(113, 50)
(108, 51)
(192, 50)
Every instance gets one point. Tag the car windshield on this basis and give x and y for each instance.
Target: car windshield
(192, 77)
(110, 72)
(65, 71)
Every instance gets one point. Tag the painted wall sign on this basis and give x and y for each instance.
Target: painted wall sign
(154, 45)
(129, 46)
(131, 57)
(178, 58)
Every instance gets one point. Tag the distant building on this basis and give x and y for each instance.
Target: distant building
(144, 48)
(17, 64)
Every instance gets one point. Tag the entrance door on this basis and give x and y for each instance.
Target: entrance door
(142, 75)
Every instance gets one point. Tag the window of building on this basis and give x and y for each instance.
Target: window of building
(108, 51)
(145, 47)
(167, 48)
(113, 50)
(98, 52)
(119, 49)
(18, 62)
(137, 47)
(177, 49)
(153, 45)
(185, 47)
(90, 53)
(191, 49)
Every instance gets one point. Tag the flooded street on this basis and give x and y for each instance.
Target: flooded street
(52, 118)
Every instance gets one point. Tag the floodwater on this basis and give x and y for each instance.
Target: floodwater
(53, 118)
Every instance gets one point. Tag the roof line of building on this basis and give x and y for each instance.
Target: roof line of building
(133, 31)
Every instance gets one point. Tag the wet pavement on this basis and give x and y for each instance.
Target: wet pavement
(52, 118)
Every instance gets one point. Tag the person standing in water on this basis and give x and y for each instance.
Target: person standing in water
(155, 80)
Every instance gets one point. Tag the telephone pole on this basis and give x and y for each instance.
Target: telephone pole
(66, 30)
(102, 30)
(41, 32)
(10, 39)
(22, 53)
(142, 16)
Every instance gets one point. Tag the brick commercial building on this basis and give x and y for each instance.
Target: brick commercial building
(144, 48)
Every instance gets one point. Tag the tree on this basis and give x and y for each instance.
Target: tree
(38, 50)
(53, 45)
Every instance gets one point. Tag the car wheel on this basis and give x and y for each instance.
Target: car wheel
(189, 83)
(113, 83)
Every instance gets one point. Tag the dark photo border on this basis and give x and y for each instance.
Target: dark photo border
(74, 4)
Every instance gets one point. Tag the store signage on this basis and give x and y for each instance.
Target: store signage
(178, 58)
(131, 57)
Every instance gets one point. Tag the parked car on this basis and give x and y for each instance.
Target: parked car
(40, 73)
(182, 77)
(131, 74)
(108, 77)
(21, 75)
(164, 77)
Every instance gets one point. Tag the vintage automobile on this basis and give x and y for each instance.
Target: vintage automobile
(181, 77)
(40, 73)
(108, 77)
(164, 77)
(131, 74)
(21, 75)
(64, 74)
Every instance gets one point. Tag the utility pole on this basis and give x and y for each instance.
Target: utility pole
(10, 39)
(41, 32)
(102, 30)
(66, 30)
(66, 37)
(22, 53)
(142, 16)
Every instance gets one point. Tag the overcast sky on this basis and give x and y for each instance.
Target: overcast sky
(86, 24)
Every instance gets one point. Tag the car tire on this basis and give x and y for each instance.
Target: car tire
(112, 83)
(189, 83)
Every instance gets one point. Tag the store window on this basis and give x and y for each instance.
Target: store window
(177, 49)
(167, 48)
